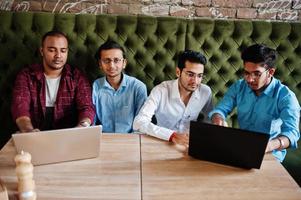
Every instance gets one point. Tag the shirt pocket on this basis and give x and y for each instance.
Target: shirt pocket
(124, 112)
(66, 97)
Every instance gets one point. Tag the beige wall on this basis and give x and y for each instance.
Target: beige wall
(284, 10)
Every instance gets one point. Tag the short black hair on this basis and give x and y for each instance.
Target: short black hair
(54, 33)
(191, 56)
(109, 44)
(260, 53)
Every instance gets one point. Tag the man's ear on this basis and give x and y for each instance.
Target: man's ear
(124, 63)
(272, 71)
(178, 72)
(41, 51)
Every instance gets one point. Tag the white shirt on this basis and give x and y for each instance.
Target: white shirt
(171, 113)
(52, 86)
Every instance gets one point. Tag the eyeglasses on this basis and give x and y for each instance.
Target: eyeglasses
(254, 75)
(194, 75)
(114, 60)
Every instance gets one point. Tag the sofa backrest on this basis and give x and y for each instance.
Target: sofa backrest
(152, 45)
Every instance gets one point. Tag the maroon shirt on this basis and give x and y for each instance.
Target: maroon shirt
(73, 101)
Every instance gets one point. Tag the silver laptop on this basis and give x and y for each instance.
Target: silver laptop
(60, 145)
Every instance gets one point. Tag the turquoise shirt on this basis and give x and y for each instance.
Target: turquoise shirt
(116, 109)
(275, 112)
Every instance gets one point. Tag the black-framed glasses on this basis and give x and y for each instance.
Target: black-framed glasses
(194, 75)
(114, 60)
(254, 75)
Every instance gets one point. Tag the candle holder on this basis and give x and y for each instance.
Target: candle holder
(24, 172)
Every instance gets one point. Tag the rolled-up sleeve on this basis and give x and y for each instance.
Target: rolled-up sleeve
(290, 116)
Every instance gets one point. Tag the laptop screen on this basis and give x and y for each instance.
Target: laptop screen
(224, 145)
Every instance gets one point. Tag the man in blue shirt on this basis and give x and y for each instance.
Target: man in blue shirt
(263, 103)
(117, 97)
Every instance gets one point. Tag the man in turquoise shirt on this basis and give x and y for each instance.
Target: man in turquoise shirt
(117, 97)
(263, 103)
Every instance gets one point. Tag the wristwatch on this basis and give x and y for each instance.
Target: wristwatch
(84, 124)
(281, 143)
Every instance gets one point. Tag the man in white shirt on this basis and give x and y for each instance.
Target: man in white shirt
(176, 102)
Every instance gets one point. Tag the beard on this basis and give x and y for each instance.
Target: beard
(188, 87)
(54, 67)
(54, 64)
(257, 89)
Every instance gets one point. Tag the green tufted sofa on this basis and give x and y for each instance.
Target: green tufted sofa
(152, 45)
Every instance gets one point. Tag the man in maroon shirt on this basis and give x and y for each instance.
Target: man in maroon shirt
(53, 94)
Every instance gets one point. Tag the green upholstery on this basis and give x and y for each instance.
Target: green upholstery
(152, 45)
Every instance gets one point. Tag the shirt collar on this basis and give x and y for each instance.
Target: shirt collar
(38, 71)
(269, 91)
(197, 93)
(175, 94)
(122, 84)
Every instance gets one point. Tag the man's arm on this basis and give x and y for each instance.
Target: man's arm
(20, 106)
(142, 121)
(85, 122)
(278, 143)
(217, 119)
(24, 124)
(290, 115)
(225, 106)
(140, 97)
(85, 107)
(180, 138)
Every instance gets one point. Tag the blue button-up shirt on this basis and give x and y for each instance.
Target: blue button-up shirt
(116, 109)
(275, 111)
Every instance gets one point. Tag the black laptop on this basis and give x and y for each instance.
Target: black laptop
(229, 146)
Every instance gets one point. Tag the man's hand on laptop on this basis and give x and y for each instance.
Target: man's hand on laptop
(25, 125)
(84, 123)
(28, 131)
(217, 119)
